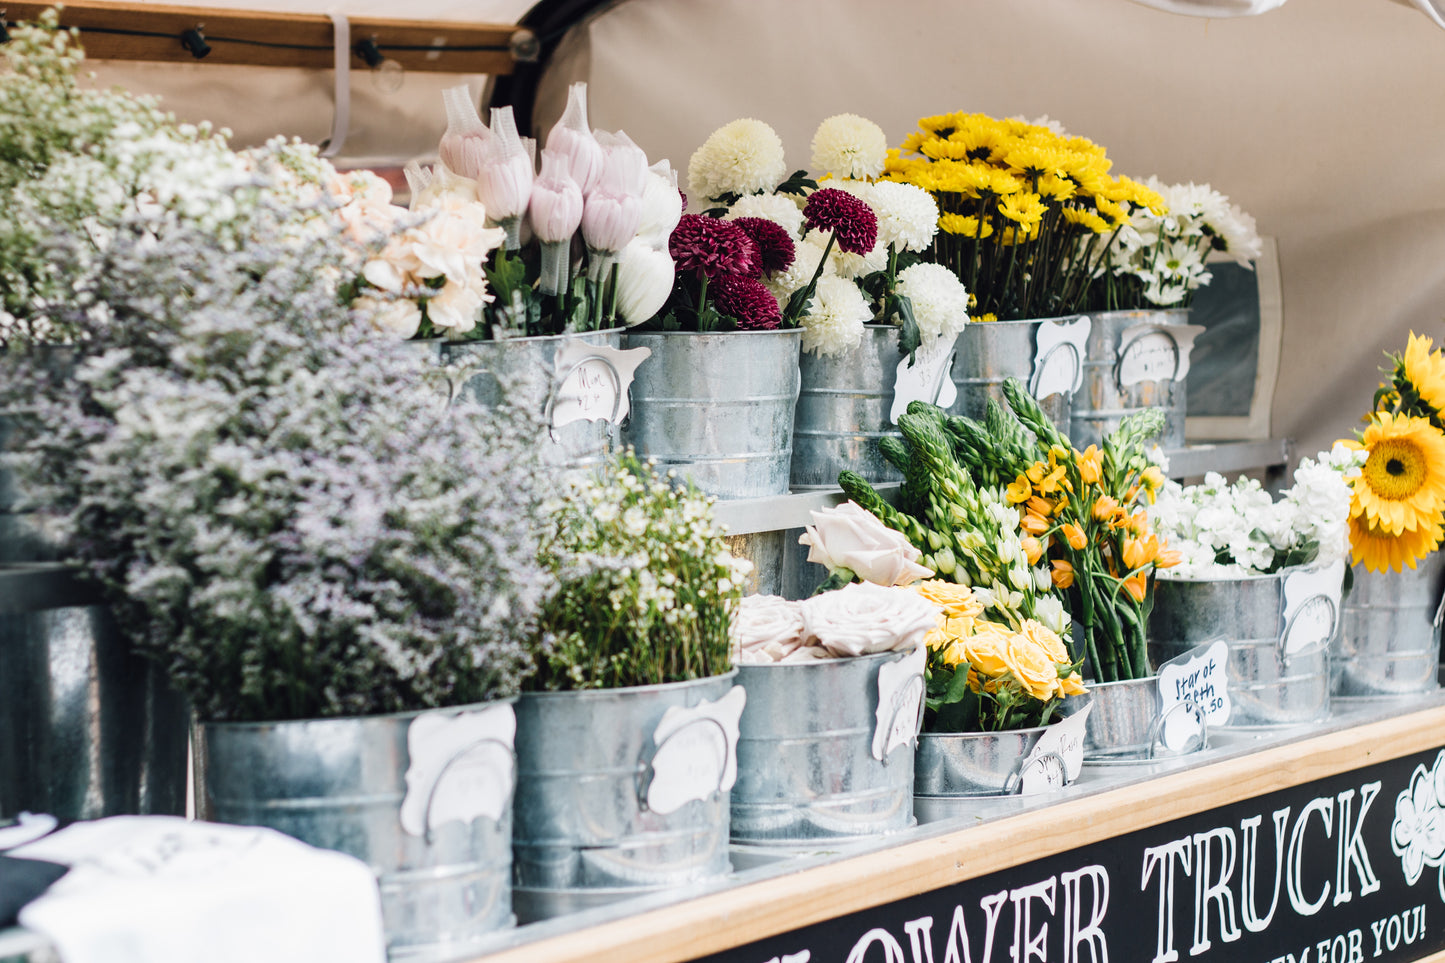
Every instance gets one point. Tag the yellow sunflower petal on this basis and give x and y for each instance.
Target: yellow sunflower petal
(1402, 484)
(1378, 550)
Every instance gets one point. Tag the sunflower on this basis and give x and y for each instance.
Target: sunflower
(1402, 485)
(1425, 369)
(1378, 551)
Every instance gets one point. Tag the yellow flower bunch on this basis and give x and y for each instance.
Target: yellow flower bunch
(1025, 213)
(989, 677)
(1397, 511)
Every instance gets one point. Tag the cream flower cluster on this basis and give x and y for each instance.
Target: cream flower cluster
(743, 157)
(940, 302)
(861, 618)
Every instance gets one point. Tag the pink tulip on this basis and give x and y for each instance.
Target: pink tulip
(571, 137)
(556, 206)
(504, 183)
(466, 135)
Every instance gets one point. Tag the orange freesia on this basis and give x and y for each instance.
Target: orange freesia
(1063, 574)
(1134, 585)
(1139, 552)
(1046, 476)
(1091, 464)
(1137, 523)
(1034, 524)
(1033, 549)
(1106, 508)
(1075, 536)
(1168, 558)
(1041, 506)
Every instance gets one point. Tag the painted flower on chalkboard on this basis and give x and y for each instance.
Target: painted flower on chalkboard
(1418, 834)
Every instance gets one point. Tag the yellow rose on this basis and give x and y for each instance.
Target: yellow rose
(986, 649)
(1046, 639)
(956, 600)
(1072, 685)
(1032, 667)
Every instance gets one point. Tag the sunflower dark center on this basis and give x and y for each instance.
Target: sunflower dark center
(1395, 466)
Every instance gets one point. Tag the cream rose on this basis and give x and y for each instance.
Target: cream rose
(766, 628)
(864, 618)
(850, 537)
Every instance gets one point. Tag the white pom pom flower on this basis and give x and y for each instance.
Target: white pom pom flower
(940, 301)
(907, 215)
(847, 145)
(834, 322)
(743, 157)
(778, 208)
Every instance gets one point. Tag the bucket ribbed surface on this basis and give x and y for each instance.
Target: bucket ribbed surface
(1104, 401)
(1390, 644)
(991, 352)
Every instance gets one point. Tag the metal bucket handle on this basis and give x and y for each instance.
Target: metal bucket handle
(644, 778)
(1042, 363)
(561, 379)
(1284, 656)
(1014, 784)
(898, 707)
(1124, 350)
(1439, 619)
(431, 796)
(1156, 728)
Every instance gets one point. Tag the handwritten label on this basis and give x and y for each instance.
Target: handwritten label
(1058, 756)
(1058, 357)
(1148, 352)
(696, 752)
(927, 379)
(592, 382)
(28, 827)
(460, 769)
(900, 701)
(1197, 678)
(1311, 607)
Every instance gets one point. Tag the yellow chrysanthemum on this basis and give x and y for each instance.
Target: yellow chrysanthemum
(1051, 187)
(1426, 370)
(1402, 484)
(1379, 551)
(1111, 211)
(1035, 160)
(969, 226)
(1086, 219)
(1024, 209)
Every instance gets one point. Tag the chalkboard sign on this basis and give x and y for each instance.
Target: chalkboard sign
(1346, 869)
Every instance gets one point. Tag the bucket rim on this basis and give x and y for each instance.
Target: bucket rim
(237, 726)
(590, 694)
(796, 332)
(836, 660)
(1073, 705)
(985, 325)
(1121, 684)
(526, 339)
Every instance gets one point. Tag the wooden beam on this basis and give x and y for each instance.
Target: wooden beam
(141, 31)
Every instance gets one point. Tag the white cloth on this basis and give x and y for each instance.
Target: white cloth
(160, 889)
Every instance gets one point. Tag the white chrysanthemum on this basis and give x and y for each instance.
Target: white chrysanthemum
(1236, 231)
(779, 208)
(907, 215)
(743, 157)
(940, 301)
(834, 322)
(847, 145)
(806, 255)
(848, 265)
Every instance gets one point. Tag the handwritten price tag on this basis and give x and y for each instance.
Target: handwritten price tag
(1311, 606)
(900, 697)
(1148, 352)
(592, 382)
(460, 768)
(696, 753)
(1058, 756)
(1198, 677)
(927, 379)
(1058, 357)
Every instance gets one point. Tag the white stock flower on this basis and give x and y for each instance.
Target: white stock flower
(766, 628)
(940, 301)
(846, 145)
(778, 208)
(848, 536)
(862, 618)
(742, 157)
(907, 215)
(834, 323)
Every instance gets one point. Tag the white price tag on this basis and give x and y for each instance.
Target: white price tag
(1059, 357)
(461, 767)
(927, 379)
(1311, 606)
(1198, 677)
(1148, 352)
(900, 701)
(696, 753)
(1058, 756)
(592, 382)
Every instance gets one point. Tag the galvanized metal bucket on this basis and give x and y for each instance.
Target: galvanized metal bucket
(1389, 643)
(1267, 684)
(718, 407)
(584, 835)
(1135, 360)
(444, 873)
(989, 353)
(807, 770)
(966, 764)
(87, 727)
(484, 372)
(1128, 719)
(844, 408)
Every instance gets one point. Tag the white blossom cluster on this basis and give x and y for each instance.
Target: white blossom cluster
(290, 521)
(1232, 531)
(1168, 254)
(647, 585)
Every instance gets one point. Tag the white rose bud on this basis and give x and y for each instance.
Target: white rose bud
(850, 537)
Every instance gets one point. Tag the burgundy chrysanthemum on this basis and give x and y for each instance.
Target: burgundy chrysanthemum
(833, 210)
(746, 301)
(712, 247)
(775, 245)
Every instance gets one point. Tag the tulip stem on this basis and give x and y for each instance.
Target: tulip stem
(513, 227)
(555, 256)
